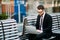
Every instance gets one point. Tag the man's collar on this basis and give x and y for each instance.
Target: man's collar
(43, 14)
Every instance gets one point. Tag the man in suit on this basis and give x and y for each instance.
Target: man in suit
(43, 23)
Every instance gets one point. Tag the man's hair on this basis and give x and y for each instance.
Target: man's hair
(40, 7)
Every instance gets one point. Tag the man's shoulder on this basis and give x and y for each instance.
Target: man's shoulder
(49, 16)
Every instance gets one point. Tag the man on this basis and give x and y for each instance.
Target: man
(43, 23)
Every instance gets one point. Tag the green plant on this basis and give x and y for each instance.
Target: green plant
(3, 16)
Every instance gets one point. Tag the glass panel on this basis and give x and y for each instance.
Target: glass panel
(5, 0)
(41, 2)
(58, 1)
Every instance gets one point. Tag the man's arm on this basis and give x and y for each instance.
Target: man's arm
(49, 24)
(37, 22)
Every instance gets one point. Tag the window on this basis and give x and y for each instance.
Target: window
(41, 2)
(58, 1)
(5, 0)
(49, 2)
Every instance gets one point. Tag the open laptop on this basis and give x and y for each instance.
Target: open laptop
(32, 30)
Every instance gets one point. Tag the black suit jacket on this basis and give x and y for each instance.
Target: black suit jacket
(47, 24)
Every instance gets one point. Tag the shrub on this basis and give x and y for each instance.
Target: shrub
(3, 16)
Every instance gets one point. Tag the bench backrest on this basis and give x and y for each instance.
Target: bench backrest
(58, 16)
(1, 32)
(10, 29)
(54, 22)
(31, 20)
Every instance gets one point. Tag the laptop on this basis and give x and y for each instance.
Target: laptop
(32, 30)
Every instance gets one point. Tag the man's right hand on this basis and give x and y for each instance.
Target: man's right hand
(40, 31)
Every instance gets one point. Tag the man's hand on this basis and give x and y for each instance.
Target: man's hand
(39, 30)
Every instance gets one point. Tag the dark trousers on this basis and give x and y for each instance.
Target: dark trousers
(32, 36)
(38, 36)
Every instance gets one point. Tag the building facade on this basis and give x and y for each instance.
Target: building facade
(51, 6)
(0, 7)
(7, 6)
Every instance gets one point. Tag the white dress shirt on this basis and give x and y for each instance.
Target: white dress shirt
(42, 19)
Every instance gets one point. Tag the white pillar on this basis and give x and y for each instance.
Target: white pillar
(10, 10)
(56, 2)
(52, 3)
(0, 9)
(18, 10)
(6, 8)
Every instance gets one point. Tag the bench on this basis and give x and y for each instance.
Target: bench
(31, 20)
(1, 32)
(9, 30)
